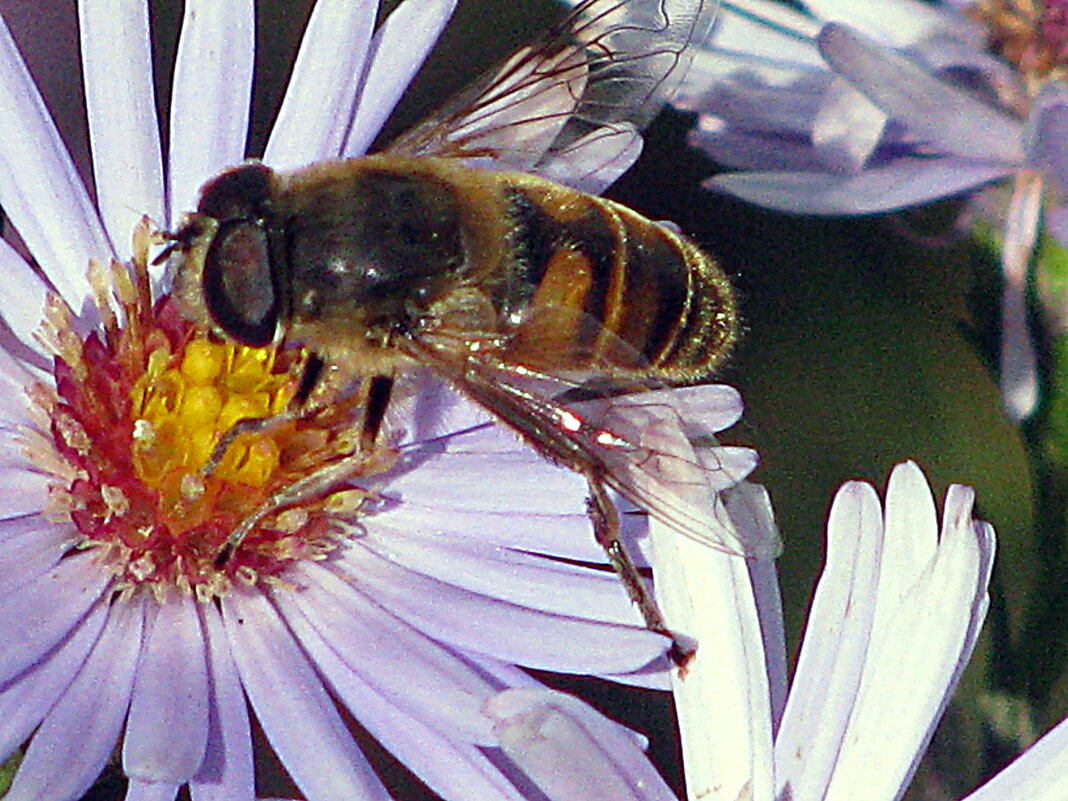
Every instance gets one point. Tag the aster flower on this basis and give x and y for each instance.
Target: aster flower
(408, 597)
(857, 108)
(894, 619)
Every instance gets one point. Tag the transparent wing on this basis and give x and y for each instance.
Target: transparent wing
(655, 448)
(571, 106)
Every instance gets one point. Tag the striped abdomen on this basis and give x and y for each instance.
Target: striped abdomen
(598, 287)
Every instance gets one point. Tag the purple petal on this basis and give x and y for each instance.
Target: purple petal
(1019, 363)
(743, 150)
(44, 197)
(513, 483)
(398, 50)
(900, 23)
(15, 379)
(434, 409)
(451, 767)
(1056, 223)
(321, 97)
(571, 752)
(76, 738)
(1048, 132)
(847, 128)
(903, 183)
(140, 790)
(505, 631)
(22, 295)
(42, 612)
(123, 126)
(430, 683)
(29, 547)
(950, 119)
(561, 535)
(831, 662)
(210, 97)
(23, 492)
(168, 727)
(479, 567)
(292, 705)
(25, 701)
(227, 771)
(746, 102)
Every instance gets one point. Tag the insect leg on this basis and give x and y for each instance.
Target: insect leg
(605, 519)
(376, 401)
(374, 410)
(296, 410)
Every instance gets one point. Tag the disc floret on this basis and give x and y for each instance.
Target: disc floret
(138, 408)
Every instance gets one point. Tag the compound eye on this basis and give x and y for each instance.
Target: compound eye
(238, 290)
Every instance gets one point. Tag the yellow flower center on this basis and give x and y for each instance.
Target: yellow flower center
(137, 414)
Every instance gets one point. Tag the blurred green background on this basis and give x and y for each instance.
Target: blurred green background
(856, 353)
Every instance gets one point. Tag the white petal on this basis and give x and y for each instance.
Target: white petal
(320, 100)
(832, 655)
(40, 189)
(291, 703)
(76, 738)
(210, 97)
(168, 728)
(911, 535)
(399, 48)
(723, 698)
(905, 687)
(123, 127)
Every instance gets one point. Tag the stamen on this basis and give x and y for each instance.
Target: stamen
(138, 410)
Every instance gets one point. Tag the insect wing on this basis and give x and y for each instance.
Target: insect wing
(570, 108)
(659, 454)
(639, 444)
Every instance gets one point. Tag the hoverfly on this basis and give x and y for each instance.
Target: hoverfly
(472, 246)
